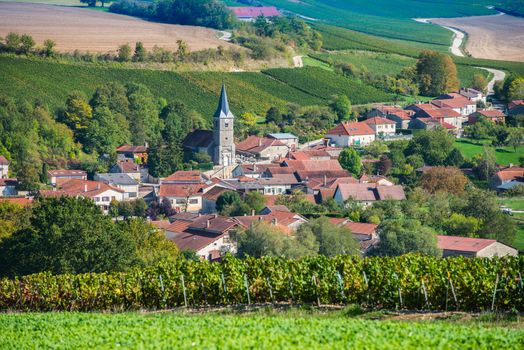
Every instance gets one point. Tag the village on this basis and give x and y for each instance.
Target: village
(277, 166)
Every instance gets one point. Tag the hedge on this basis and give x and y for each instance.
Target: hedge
(409, 282)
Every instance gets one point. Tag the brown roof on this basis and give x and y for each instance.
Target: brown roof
(510, 174)
(60, 172)
(491, 113)
(351, 129)
(161, 224)
(198, 139)
(277, 208)
(403, 114)
(256, 144)
(181, 190)
(283, 218)
(278, 179)
(515, 103)
(457, 101)
(212, 223)
(327, 193)
(194, 241)
(463, 244)
(131, 149)
(310, 154)
(377, 121)
(78, 187)
(186, 176)
(395, 192)
(3, 161)
(128, 167)
(279, 170)
(214, 193)
(313, 165)
(371, 192)
(318, 176)
(358, 228)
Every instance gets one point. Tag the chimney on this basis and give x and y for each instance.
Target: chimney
(325, 180)
(98, 186)
(253, 212)
(259, 142)
(274, 221)
(207, 223)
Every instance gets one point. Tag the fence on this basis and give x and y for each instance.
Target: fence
(408, 282)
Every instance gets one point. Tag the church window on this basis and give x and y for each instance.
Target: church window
(226, 125)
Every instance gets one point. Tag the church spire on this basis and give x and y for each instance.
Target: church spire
(223, 105)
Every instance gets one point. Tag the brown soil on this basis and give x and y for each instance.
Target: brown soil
(97, 31)
(498, 37)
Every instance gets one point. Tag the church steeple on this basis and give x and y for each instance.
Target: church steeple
(223, 105)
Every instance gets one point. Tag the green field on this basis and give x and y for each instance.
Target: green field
(516, 203)
(505, 155)
(298, 330)
(50, 82)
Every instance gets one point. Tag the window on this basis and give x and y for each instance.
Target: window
(132, 194)
(97, 199)
(105, 199)
(113, 198)
(193, 201)
(181, 201)
(226, 124)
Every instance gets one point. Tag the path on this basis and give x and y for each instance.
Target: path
(497, 76)
(297, 61)
(226, 36)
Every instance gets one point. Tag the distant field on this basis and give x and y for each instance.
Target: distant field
(213, 331)
(505, 155)
(97, 31)
(51, 2)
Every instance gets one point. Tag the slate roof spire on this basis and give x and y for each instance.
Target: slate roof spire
(223, 105)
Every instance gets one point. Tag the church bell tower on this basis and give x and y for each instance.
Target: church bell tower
(223, 132)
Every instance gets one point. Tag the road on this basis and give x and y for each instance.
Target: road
(497, 76)
(226, 36)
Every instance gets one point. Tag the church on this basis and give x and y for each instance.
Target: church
(219, 143)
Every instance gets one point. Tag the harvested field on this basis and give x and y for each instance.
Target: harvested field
(499, 37)
(96, 31)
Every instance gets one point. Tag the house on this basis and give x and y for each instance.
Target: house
(493, 115)
(252, 170)
(394, 113)
(460, 104)
(137, 153)
(186, 177)
(21, 201)
(286, 138)
(473, 95)
(365, 233)
(130, 168)
(515, 107)
(367, 193)
(249, 13)
(8, 187)
(262, 148)
(57, 177)
(210, 197)
(383, 127)
(312, 154)
(473, 247)
(310, 165)
(122, 181)
(507, 178)
(431, 124)
(278, 184)
(287, 221)
(183, 197)
(443, 115)
(101, 193)
(4, 167)
(351, 133)
(274, 208)
(376, 179)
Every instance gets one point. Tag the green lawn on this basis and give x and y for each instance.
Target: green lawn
(248, 331)
(516, 203)
(505, 155)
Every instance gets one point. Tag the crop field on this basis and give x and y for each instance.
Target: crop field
(97, 31)
(504, 155)
(249, 331)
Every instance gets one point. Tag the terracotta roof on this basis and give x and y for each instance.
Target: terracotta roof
(327, 193)
(378, 121)
(212, 224)
(388, 109)
(463, 244)
(255, 144)
(283, 218)
(329, 182)
(456, 101)
(491, 113)
(161, 224)
(78, 187)
(3, 161)
(8, 182)
(128, 167)
(351, 129)
(358, 228)
(17, 200)
(214, 193)
(278, 179)
(194, 241)
(198, 139)
(271, 199)
(181, 190)
(403, 114)
(185, 176)
(510, 174)
(131, 149)
(59, 172)
(254, 168)
(515, 103)
(189, 217)
(313, 165)
(252, 12)
(272, 208)
(279, 170)
(371, 192)
(395, 192)
(310, 154)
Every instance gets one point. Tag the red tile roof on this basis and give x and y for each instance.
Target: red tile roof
(8, 182)
(59, 172)
(214, 193)
(371, 192)
(491, 113)
(185, 176)
(358, 228)
(255, 144)
(192, 241)
(3, 161)
(252, 12)
(78, 187)
(515, 103)
(283, 218)
(128, 167)
(351, 129)
(463, 244)
(456, 101)
(161, 224)
(510, 174)
(17, 200)
(378, 121)
(131, 149)
(313, 165)
(181, 190)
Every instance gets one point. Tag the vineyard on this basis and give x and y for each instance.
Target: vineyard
(407, 282)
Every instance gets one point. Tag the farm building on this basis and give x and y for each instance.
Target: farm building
(249, 13)
(473, 247)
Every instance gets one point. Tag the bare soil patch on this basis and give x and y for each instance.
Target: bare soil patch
(498, 37)
(96, 31)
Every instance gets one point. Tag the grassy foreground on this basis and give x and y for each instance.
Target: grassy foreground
(298, 330)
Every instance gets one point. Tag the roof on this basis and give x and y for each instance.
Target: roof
(311, 154)
(402, 114)
(180, 190)
(453, 101)
(193, 241)
(377, 121)
(198, 139)
(251, 12)
(283, 218)
(276, 207)
(351, 129)
(186, 176)
(358, 228)
(3, 161)
(371, 192)
(161, 224)
(256, 144)
(8, 182)
(395, 192)
(223, 110)
(60, 172)
(214, 193)
(463, 244)
(491, 113)
(128, 167)
(280, 179)
(510, 174)
(117, 179)
(131, 149)
(17, 200)
(253, 168)
(282, 136)
(312, 165)
(212, 224)
(515, 103)
(79, 187)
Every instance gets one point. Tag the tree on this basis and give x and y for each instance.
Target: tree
(78, 114)
(479, 130)
(341, 106)
(261, 239)
(485, 164)
(332, 239)
(350, 160)
(377, 148)
(400, 236)
(49, 48)
(436, 73)
(12, 42)
(515, 137)
(479, 83)
(90, 3)
(226, 199)
(182, 51)
(124, 53)
(67, 235)
(274, 115)
(434, 146)
(513, 88)
(444, 179)
(26, 44)
(454, 158)
(384, 165)
(255, 201)
(461, 225)
(140, 54)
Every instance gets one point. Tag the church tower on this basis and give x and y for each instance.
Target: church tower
(223, 136)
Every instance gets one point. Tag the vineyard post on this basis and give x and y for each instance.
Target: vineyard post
(184, 289)
(291, 290)
(246, 284)
(399, 290)
(453, 292)
(314, 279)
(204, 292)
(20, 294)
(163, 291)
(494, 293)
(367, 284)
(101, 292)
(340, 284)
(270, 290)
(425, 293)
(122, 284)
(223, 282)
(520, 281)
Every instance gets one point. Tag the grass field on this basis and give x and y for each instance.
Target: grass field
(516, 203)
(505, 155)
(294, 330)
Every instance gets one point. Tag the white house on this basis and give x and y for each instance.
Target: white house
(4, 167)
(351, 133)
(382, 126)
(122, 181)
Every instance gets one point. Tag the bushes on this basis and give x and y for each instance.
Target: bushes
(371, 282)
